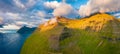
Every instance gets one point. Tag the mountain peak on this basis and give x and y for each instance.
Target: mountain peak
(95, 22)
(103, 16)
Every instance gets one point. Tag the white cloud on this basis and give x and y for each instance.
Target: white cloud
(41, 14)
(52, 4)
(65, 10)
(14, 16)
(117, 14)
(25, 6)
(9, 17)
(102, 6)
(21, 23)
(19, 4)
(85, 10)
(30, 3)
(11, 26)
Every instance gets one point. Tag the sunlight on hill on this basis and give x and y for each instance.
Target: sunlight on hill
(60, 35)
(95, 23)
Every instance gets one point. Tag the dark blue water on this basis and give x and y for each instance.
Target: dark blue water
(11, 43)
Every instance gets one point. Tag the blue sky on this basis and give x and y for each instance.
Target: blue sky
(25, 11)
(34, 12)
(36, 5)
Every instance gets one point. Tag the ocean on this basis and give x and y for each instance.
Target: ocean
(11, 43)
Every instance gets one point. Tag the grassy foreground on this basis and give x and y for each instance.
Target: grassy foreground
(67, 37)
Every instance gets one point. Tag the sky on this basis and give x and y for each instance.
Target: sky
(35, 12)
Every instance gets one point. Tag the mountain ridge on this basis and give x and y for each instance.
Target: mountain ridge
(76, 36)
(94, 21)
(26, 30)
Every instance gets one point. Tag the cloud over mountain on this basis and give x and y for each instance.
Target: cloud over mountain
(61, 9)
(102, 6)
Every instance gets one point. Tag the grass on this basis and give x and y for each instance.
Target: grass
(38, 43)
(68, 37)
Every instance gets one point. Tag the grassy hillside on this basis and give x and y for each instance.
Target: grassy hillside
(98, 34)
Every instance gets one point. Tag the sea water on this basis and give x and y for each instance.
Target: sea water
(11, 43)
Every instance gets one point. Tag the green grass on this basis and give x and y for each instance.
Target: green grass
(79, 41)
(38, 42)
(63, 39)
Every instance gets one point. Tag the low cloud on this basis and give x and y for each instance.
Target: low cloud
(102, 6)
(10, 18)
(11, 26)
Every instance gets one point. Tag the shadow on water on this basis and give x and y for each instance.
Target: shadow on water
(11, 43)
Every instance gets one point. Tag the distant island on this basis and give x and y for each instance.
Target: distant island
(25, 30)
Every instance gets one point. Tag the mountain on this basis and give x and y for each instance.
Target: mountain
(26, 29)
(97, 34)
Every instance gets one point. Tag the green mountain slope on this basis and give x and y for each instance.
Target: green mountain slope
(98, 34)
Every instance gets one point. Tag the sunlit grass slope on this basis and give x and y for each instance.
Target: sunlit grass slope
(98, 34)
